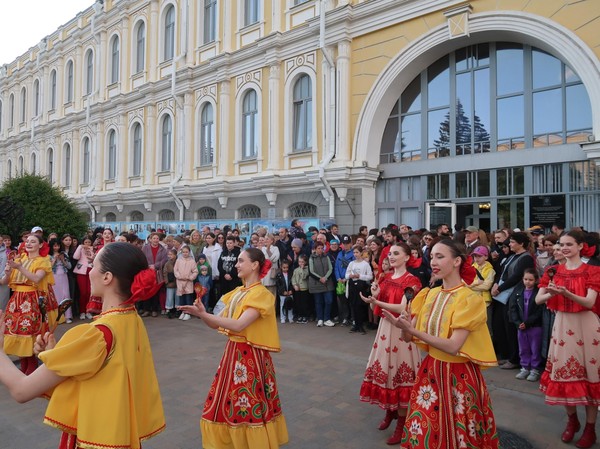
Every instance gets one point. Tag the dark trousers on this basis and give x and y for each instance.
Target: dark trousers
(505, 338)
(359, 307)
(302, 303)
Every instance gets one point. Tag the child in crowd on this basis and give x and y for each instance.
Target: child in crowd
(527, 316)
(186, 272)
(61, 264)
(283, 282)
(170, 283)
(359, 275)
(300, 285)
(205, 280)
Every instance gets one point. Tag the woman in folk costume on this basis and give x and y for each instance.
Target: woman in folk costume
(27, 312)
(449, 406)
(572, 377)
(243, 409)
(101, 372)
(393, 363)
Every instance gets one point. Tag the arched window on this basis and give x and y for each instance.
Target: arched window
(89, 72)
(207, 135)
(110, 217)
(1, 121)
(114, 60)
(210, 20)
(249, 211)
(303, 114)
(21, 168)
(166, 215)
(86, 160)
(137, 149)
(505, 96)
(303, 210)
(36, 98)
(11, 110)
(9, 168)
(53, 90)
(50, 170)
(112, 155)
(23, 104)
(169, 42)
(207, 213)
(136, 215)
(69, 83)
(249, 125)
(140, 47)
(67, 151)
(166, 153)
(33, 163)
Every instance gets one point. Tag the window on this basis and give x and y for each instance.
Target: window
(547, 178)
(50, 165)
(167, 131)
(114, 60)
(303, 114)
(9, 168)
(166, 214)
(36, 98)
(86, 160)
(303, 210)
(69, 81)
(137, 149)
(11, 111)
(89, 72)
(249, 211)
(23, 105)
(472, 184)
(33, 163)
(207, 135)
(495, 96)
(140, 48)
(438, 187)
(249, 126)
(110, 217)
(53, 90)
(112, 155)
(67, 149)
(1, 111)
(510, 181)
(210, 20)
(207, 213)
(20, 167)
(136, 215)
(250, 12)
(169, 42)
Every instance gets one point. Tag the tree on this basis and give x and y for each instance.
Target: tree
(31, 200)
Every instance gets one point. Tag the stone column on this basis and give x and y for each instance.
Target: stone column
(97, 158)
(122, 165)
(343, 101)
(125, 56)
(152, 36)
(189, 146)
(369, 207)
(274, 118)
(225, 126)
(102, 67)
(149, 147)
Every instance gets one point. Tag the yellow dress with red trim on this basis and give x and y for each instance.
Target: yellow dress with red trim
(393, 363)
(243, 409)
(24, 318)
(107, 400)
(450, 406)
(572, 373)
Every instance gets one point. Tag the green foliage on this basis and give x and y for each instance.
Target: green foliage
(30, 200)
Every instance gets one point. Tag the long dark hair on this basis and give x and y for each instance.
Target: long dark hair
(124, 261)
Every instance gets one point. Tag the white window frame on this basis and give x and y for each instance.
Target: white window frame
(36, 97)
(288, 119)
(23, 104)
(89, 72)
(50, 164)
(86, 158)
(166, 143)
(210, 12)
(254, 114)
(115, 62)
(111, 168)
(139, 59)
(67, 161)
(169, 35)
(69, 80)
(212, 125)
(136, 149)
(53, 90)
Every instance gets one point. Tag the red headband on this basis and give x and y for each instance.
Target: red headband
(265, 268)
(467, 271)
(144, 286)
(588, 251)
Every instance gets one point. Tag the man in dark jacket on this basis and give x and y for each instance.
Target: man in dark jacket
(228, 276)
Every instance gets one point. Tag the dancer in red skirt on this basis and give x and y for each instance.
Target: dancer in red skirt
(243, 409)
(450, 406)
(572, 374)
(393, 363)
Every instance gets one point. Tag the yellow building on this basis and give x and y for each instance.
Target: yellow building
(363, 112)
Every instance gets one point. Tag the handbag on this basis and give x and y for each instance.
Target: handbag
(504, 295)
(288, 303)
(340, 288)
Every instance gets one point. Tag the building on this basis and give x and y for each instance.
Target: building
(362, 112)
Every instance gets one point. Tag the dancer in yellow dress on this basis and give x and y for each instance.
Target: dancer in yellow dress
(99, 378)
(243, 409)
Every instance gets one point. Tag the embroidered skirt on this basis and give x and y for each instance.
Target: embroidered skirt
(449, 407)
(94, 306)
(24, 322)
(243, 409)
(391, 369)
(572, 374)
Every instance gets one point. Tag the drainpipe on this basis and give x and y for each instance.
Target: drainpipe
(329, 112)
(180, 123)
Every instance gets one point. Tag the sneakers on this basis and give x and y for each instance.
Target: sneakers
(82, 316)
(345, 323)
(534, 375)
(523, 374)
(320, 323)
(186, 316)
(302, 320)
(89, 316)
(329, 323)
(69, 320)
(182, 316)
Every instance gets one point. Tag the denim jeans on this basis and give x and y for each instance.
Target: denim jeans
(323, 305)
(170, 302)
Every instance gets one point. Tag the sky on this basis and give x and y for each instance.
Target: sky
(23, 23)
